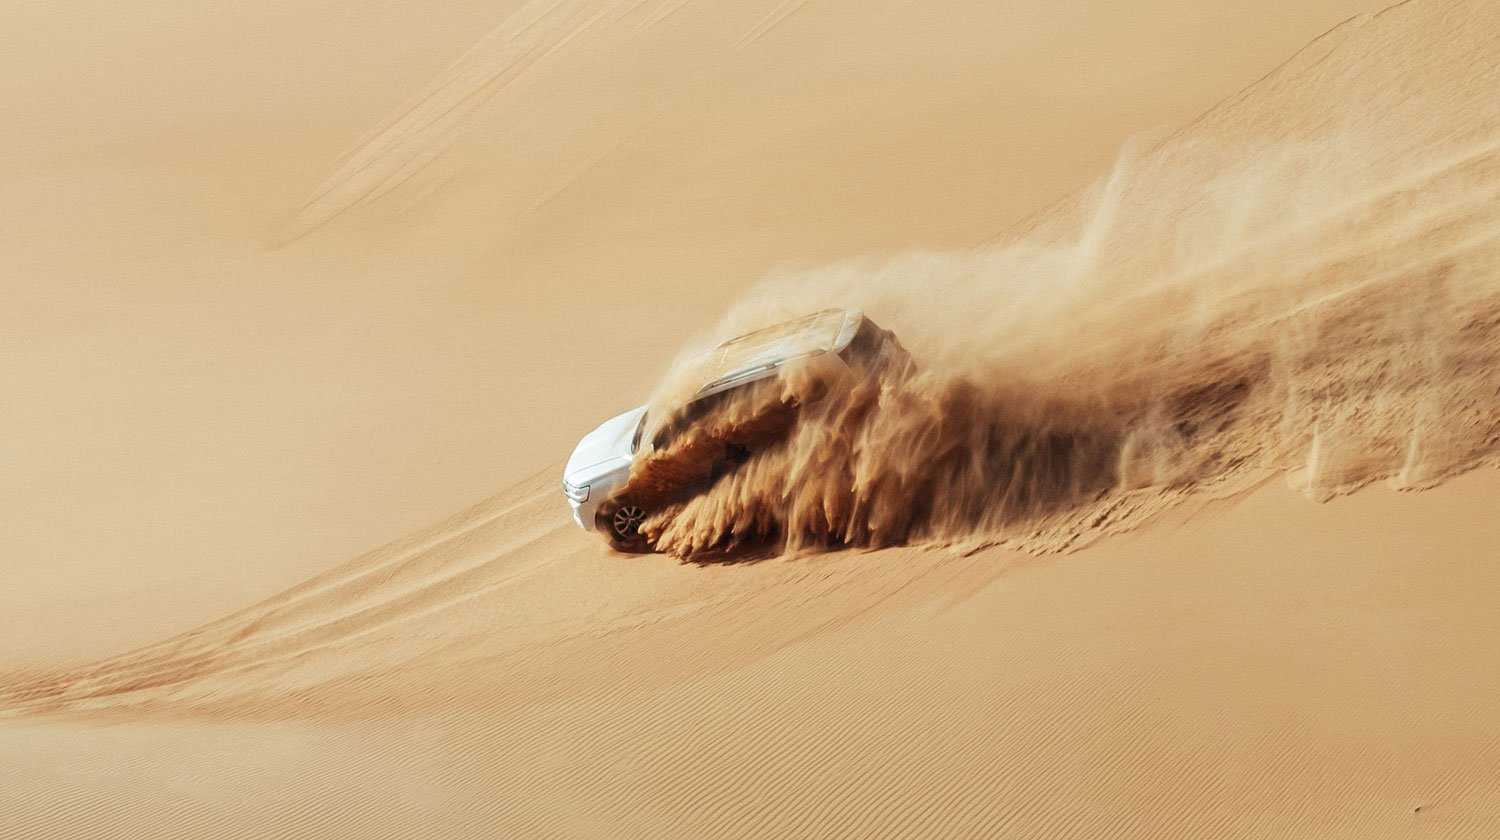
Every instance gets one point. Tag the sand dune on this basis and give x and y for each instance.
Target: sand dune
(1299, 287)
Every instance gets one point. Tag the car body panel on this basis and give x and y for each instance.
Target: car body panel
(600, 464)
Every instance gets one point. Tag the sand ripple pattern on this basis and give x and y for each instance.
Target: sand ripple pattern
(490, 93)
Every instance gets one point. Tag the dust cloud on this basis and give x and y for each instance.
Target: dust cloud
(1310, 309)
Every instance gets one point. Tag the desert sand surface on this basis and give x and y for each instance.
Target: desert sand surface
(286, 284)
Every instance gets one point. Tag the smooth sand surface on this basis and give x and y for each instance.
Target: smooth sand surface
(280, 287)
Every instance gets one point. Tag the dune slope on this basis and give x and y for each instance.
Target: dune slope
(1249, 664)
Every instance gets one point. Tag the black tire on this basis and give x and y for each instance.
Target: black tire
(620, 520)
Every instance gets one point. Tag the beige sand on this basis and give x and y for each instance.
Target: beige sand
(221, 386)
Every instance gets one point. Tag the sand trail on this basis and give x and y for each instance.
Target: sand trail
(512, 75)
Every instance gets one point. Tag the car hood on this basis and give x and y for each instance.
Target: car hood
(605, 449)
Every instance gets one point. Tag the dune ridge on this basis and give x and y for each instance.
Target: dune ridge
(502, 81)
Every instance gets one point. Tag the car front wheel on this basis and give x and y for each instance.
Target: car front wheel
(621, 520)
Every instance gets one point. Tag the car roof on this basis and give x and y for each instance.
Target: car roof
(757, 354)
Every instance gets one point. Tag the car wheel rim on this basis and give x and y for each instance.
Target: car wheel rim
(627, 521)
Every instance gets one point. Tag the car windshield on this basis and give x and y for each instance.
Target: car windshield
(681, 419)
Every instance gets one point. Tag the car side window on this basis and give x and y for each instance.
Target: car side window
(683, 419)
(640, 429)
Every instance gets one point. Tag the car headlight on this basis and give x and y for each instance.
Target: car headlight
(576, 492)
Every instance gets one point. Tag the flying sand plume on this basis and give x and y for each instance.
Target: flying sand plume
(1304, 310)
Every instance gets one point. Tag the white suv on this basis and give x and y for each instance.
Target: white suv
(598, 475)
